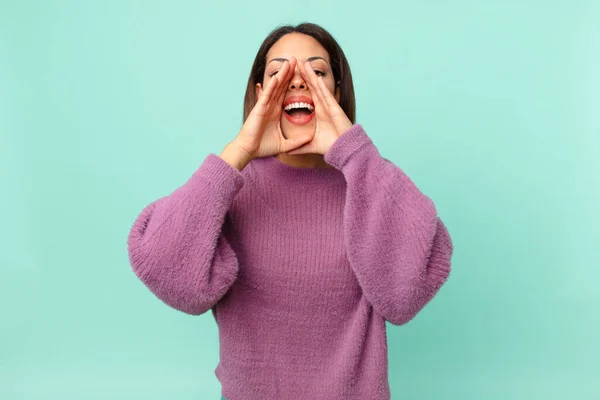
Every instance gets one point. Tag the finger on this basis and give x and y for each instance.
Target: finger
(315, 83)
(305, 70)
(308, 74)
(281, 80)
(307, 148)
(292, 71)
(319, 89)
(288, 77)
(300, 150)
(266, 94)
(283, 85)
(296, 143)
(281, 75)
(327, 95)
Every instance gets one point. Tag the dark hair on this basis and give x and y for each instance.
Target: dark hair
(338, 61)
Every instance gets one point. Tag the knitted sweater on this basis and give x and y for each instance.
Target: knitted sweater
(301, 267)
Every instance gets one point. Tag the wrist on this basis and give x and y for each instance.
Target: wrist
(235, 156)
(344, 127)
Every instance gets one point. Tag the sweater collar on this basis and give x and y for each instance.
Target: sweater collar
(279, 171)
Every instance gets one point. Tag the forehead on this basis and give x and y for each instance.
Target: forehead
(297, 45)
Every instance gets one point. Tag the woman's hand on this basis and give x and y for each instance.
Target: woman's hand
(331, 121)
(261, 134)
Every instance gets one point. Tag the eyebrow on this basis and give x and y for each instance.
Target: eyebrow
(309, 59)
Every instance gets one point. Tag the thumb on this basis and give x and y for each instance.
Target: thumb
(294, 143)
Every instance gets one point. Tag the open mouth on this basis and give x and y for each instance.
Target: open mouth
(299, 110)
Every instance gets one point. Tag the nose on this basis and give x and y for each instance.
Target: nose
(297, 82)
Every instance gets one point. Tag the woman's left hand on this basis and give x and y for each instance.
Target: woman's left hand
(331, 121)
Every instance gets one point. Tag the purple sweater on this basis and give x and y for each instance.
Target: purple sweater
(301, 267)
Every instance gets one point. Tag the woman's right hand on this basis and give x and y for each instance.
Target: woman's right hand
(261, 134)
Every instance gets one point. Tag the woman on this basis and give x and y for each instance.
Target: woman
(299, 236)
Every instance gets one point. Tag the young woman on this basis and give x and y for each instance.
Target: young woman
(299, 237)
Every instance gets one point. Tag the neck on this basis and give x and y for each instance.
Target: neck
(304, 160)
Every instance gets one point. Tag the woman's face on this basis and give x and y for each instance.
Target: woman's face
(298, 121)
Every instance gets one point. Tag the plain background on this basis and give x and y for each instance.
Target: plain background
(492, 108)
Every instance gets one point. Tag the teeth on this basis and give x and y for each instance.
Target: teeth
(299, 105)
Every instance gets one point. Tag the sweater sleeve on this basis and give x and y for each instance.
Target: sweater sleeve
(177, 246)
(397, 245)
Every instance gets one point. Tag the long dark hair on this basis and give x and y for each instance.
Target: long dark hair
(337, 58)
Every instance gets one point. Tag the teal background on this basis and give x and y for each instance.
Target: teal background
(492, 108)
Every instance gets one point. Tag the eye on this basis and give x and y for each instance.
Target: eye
(272, 74)
(319, 72)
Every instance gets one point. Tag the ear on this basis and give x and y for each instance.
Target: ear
(337, 92)
(258, 90)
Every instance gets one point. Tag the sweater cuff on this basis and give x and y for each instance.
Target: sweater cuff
(220, 175)
(346, 145)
